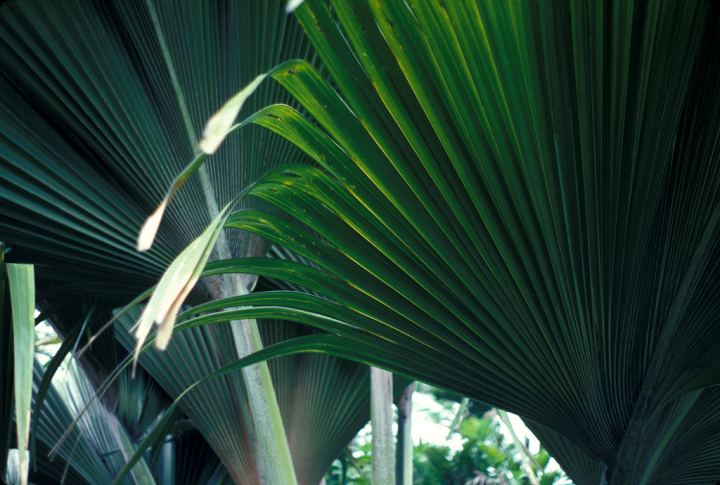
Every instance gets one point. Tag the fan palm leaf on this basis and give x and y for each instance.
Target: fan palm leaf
(96, 85)
(520, 203)
(101, 109)
(95, 453)
(324, 401)
(101, 106)
(193, 462)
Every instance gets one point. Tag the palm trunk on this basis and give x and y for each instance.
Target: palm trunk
(404, 449)
(383, 466)
(270, 448)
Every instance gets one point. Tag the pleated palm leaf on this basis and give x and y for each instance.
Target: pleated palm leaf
(96, 454)
(101, 106)
(81, 315)
(520, 202)
(189, 460)
(324, 401)
(183, 456)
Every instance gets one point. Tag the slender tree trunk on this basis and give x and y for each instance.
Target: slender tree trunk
(343, 461)
(381, 395)
(270, 447)
(404, 449)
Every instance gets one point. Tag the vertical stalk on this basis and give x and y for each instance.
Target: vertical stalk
(457, 420)
(343, 462)
(270, 449)
(528, 460)
(404, 449)
(140, 473)
(266, 419)
(166, 464)
(381, 415)
(7, 367)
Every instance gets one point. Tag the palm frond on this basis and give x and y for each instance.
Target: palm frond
(102, 106)
(140, 402)
(524, 196)
(323, 400)
(8, 369)
(92, 450)
(193, 462)
(582, 469)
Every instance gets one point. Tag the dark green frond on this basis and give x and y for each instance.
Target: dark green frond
(518, 193)
(103, 105)
(323, 400)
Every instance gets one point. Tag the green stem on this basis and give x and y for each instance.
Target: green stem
(266, 418)
(526, 456)
(458, 417)
(270, 448)
(185, 113)
(141, 472)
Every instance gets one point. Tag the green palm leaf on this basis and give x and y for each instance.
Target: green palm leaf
(323, 400)
(101, 107)
(113, 99)
(7, 383)
(193, 462)
(93, 450)
(524, 196)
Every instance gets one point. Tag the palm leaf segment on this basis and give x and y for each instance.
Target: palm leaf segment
(102, 106)
(324, 401)
(95, 451)
(521, 203)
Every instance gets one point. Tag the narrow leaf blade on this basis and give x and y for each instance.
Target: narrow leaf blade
(22, 297)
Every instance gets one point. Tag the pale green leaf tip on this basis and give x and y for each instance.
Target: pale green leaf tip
(218, 126)
(292, 5)
(165, 332)
(168, 322)
(150, 228)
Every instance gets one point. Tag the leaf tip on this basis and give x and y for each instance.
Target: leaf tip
(164, 334)
(292, 5)
(219, 124)
(149, 229)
